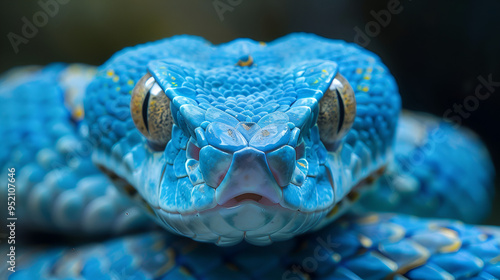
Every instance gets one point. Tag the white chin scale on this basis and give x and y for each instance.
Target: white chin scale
(256, 223)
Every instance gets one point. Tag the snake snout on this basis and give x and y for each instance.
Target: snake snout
(248, 178)
(247, 162)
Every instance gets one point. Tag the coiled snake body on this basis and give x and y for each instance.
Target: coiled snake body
(257, 148)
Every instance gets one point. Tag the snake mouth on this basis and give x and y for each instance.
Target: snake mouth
(248, 197)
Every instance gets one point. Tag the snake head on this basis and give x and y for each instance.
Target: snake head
(241, 146)
(242, 141)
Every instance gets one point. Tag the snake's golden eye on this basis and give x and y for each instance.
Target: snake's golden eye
(337, 109)
(150, 109)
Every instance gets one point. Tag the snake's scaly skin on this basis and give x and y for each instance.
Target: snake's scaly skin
(246, 120)
(364, 247)
(58, 188)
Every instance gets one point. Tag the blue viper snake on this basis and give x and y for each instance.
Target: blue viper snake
(291, 159)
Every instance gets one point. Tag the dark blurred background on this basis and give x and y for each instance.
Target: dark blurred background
(437, 50)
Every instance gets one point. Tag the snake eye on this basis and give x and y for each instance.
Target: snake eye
(337, 109)
(150, 109)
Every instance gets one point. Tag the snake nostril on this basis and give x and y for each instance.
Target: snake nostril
(214, 165)
(193, 151)
(282, 164)
(300, 151)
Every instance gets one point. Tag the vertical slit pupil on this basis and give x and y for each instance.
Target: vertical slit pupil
(145, 111)
(341, 110)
